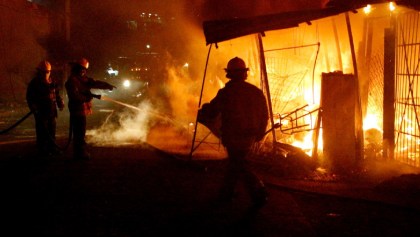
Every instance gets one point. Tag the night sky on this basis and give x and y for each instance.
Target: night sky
(98, 25)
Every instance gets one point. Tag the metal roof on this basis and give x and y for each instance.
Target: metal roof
(221, 30)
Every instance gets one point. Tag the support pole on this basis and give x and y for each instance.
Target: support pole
(389, 88)
(199, 104)
(358, 109)
(264, 79)
(337, 45)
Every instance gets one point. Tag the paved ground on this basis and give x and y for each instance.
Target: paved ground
(140, 190)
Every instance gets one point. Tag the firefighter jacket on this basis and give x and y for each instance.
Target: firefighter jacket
(243, 111)
(79, 94)
(43, 98)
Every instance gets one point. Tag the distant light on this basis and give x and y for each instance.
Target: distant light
(367, 9)
(148, 46)
(126, 83)
(186, 65)
(112, 72)
(391, 6)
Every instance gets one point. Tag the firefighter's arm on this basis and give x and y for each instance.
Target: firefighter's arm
(90, 95)
(209, 111)
(97, 84)
(95, 96)
(59, 100)
(33, 107)
(263, 120)
(60, 103)
(31, 98)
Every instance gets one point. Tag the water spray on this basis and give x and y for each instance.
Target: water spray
(155, 114)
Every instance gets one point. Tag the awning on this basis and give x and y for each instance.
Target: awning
(221, 30)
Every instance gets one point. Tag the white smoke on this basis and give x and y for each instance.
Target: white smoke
(132, 127)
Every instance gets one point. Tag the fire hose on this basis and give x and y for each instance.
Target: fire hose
(52, 140)
(17, 123)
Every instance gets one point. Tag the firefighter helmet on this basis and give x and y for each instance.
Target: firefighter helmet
(83, 62)
(236, 64)
(44, 66)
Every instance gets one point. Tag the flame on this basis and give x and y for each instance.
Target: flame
(371, 121)
(306, 144)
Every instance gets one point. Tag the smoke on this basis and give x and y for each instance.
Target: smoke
(131, 126)
(175, 97)
(183, 94)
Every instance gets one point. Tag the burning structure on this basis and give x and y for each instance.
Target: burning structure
(341, 80)
(340, 71)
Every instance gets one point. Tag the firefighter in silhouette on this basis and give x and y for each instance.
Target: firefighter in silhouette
(242, 109)
(43, 98)
(78, 87)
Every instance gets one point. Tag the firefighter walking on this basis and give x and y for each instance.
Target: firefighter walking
(244, 117)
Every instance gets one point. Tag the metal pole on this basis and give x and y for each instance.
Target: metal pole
(389, 88)
(337, 45)
(267, 87)
(199, 104)
(358, 115)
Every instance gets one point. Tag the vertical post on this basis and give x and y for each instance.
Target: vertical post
(389, 88)
(199, 105)
(337, 45)
(358, 110)
(364, 59)
(267, 87)
(368, 55)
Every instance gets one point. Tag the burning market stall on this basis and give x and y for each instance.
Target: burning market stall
(300, 59)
